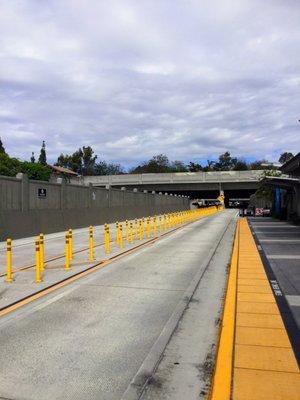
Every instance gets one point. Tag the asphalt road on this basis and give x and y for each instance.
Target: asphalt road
(89, 339)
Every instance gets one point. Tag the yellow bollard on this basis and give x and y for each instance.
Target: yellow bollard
(42, 252)
(117, 233)
(131, 232)
(91, 244)
(38, 277)
(67, 253)
(9, 273)
(126, 230)
(121, 236)
(160, 224)
(106, 239)
(71, 243)
(148, 227)
(165, 222)
(154, 225)
(136, 229)
(141, 231)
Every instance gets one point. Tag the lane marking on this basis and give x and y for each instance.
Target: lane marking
(283, 257)
(293, 300)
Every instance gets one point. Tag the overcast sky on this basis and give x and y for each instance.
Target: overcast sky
(190, 79)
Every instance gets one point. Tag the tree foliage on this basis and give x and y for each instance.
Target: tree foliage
(43, 156)
(12, 166)
(2, 149)
(285, 157)
(81, 161)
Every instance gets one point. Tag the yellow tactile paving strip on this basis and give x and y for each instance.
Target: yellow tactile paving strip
(263, 365)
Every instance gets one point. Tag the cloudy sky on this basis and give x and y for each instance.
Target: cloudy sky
(188, 78)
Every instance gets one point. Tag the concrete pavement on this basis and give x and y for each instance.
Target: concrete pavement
(89, 339)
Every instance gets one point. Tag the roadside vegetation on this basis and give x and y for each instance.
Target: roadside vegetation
(84, 161)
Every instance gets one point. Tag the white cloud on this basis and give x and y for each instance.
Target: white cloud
(189, 79)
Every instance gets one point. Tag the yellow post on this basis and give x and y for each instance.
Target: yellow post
(91, 244)
(148, 227)
(38, 277)
(154, 225)
(143, 227)
(42, 251)
(159, 224)
(127, 230)
(71, 243)
(131, 232)
(106, 239)
(9, 273)
(165, 222)
(67, 253)
(136, 229)
(117, 233)
(141, 230)
(121, 236)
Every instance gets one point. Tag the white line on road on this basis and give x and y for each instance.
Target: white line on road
(283, 257)
(293, 300)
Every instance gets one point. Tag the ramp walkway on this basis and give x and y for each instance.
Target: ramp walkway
(255, 358)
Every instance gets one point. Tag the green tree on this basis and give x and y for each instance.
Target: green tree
(178, 166)
(226, 162)
(32, 158)
(43, 156)
(240, 165)
(285, 157)
(194, 167)
(11, 166)
(104, 168)
(2, 149)
(88, 160)
(35, 171)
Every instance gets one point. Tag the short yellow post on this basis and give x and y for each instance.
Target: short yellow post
(67, 253)
(91, 244)
(106, 239)
(121, 236)
(148, 227)
(159, 224)
(42, 252)
(71, 243)
(154, 225)
(165, 222)
(127, 230)
(38, 277)
(117, 233)
(9, 273)
(141, 230)
(131, 232)
(136, 229)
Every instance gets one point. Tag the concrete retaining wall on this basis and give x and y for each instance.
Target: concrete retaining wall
(30, 207)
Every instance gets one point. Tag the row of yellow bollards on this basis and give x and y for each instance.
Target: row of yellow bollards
(136, 230)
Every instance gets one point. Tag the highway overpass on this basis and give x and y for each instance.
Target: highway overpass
(235, 184)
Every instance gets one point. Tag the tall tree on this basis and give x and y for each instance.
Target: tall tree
(43, 156)
(2, 149)
(88, 160)
(32, 158)
(285, 157)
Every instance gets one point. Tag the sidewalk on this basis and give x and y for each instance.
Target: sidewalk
(255, 359)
